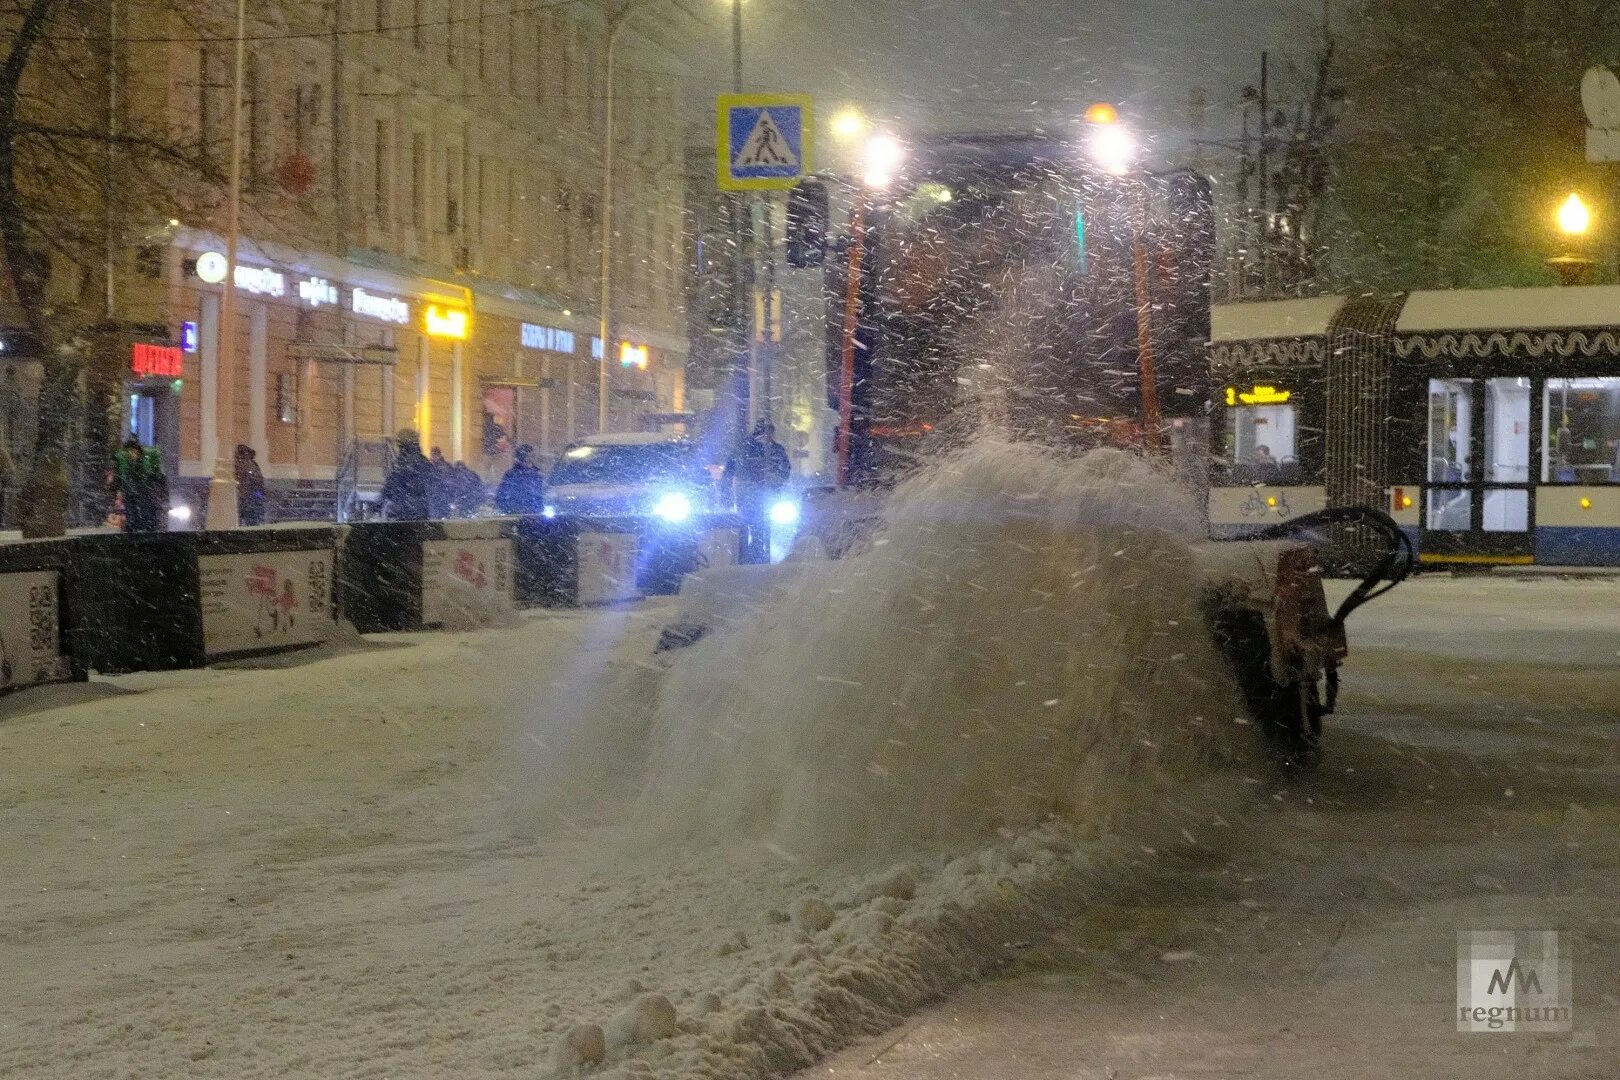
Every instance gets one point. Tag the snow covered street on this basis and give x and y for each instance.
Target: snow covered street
(1471, 781)
(319, 866)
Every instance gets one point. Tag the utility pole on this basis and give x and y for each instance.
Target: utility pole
(745, 351)
(1265, 173)
(222, 510)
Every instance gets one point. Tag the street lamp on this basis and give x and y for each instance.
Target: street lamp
(848, 125)
(1574, 221)
(884, 155)
(222, 508)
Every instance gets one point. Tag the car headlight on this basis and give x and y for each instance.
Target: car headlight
(548, 511)
(180, 512)
(785, 512)
(673, 506)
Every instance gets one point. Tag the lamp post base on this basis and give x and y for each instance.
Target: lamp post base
(222, 509)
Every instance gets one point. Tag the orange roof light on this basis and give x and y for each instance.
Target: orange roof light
(1102, 113)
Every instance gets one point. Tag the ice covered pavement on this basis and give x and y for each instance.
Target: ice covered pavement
(1471, 782)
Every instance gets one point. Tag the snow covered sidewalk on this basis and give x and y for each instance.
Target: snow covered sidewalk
(1472, 781)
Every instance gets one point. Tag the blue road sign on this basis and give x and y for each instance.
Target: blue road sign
(764, 140)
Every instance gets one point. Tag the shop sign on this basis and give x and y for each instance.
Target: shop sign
(466, 582)
(632, 356)
(265, 600)
(165, 361)
(188, 337)
(446, 323)
(1258, 395)
(30, 629)
(549, 338)
(386, 308)
(258, 280)
(316, 291)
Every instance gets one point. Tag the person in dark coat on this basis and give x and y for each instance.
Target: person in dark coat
(754, 477)
(249, 487)
(523, 489)
(441, 485)
(406, 492)
(467, 492)
(138, 479)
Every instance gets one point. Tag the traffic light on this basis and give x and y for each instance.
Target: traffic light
(808, 218)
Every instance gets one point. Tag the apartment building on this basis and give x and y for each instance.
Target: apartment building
(418, 240)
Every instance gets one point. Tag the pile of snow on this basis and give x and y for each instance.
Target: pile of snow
(1011, 691)
(1023, 642)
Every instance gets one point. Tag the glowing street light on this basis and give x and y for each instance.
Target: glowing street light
(1113, 148)
(1574, 218)
(884, 155)
(848, 125)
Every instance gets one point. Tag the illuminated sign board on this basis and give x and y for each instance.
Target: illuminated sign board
(632, 355)
(165, 361)
(258, 280)
(446, 323)
(1259, 395)
(316, 291)
(549, 338)
(211, 267)
(386, 308)
(188, 337)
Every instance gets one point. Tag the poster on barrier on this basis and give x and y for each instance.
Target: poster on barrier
(466, 582)
(30, 629)
(718, 547)
(607, 567)
(260, 600)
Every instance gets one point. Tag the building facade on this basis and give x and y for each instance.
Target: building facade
(418, 238)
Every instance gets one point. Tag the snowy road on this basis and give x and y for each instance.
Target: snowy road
(1472, 782)
(320, 868)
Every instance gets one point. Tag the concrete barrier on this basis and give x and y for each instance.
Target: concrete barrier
(35, 647)
(420, 575)
(161, 601)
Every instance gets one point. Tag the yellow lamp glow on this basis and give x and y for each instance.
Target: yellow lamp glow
(632, 355)
(1586, 503)
(1102, 113)
(451, 324)
(848, 125)
(1271, 500)
(1573, 216)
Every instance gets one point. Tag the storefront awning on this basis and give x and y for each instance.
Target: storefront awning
(1270, 319)
(329, 353)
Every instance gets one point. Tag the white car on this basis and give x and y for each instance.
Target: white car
(630, 475)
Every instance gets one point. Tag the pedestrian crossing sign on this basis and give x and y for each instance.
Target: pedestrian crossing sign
(765, 140)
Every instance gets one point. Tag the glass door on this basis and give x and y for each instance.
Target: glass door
(1478, 505)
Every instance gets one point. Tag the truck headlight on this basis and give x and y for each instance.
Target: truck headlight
(673, 507)
(785, 512)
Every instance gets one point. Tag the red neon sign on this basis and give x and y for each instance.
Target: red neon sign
(161, 360)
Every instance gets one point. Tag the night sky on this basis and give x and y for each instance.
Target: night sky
(960, 64)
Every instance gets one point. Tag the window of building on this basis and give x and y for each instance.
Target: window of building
(418, 19)
(286, 399)
(476, 37)
(213, 101)
(452, 191)
(419, 173)
(255, 122)
(1580, 441)
(541, 66)
(456, 10)
(382, 173)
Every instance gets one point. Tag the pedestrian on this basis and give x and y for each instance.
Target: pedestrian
(441, 485)
(138, 479)
(249, 486)
(406, 494)
(522, 490)
(755, 475)
(467, 492)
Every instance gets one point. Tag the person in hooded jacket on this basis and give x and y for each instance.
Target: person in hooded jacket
(406, 492)
(754, 476)
(250, 500)
(523, 489)
(138, 479)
